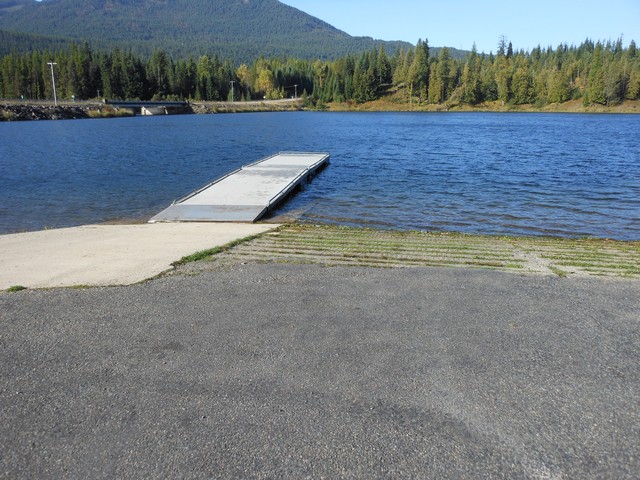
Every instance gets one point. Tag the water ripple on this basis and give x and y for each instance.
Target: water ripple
(569, 175)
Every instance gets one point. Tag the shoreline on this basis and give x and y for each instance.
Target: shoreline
(571, 106)
(15, 111)
(103, 255)
(335, 246)
(292, 220)
(11, 111)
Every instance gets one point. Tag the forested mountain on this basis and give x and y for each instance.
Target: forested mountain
(26, 42)
(240, 30)
(195, 49)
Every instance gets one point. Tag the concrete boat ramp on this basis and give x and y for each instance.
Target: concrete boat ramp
(125, 254)
(246, 194)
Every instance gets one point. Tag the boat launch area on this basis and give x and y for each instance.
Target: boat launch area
(246, 194)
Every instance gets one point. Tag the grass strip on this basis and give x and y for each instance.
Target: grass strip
(332, 245)
(208, 253)
(399, 255)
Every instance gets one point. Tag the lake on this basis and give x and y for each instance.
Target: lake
(494, 173)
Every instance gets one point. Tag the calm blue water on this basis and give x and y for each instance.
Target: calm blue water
(531, 174)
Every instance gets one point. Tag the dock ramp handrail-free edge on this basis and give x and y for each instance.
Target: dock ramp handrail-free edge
(247, 193)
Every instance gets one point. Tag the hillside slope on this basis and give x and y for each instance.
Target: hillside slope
(239, 29)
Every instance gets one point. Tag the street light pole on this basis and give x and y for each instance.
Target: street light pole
(53, 79)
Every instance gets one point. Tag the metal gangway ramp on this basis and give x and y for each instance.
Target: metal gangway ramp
(246, 194)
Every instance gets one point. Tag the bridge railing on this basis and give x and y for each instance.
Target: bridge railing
(140, 104)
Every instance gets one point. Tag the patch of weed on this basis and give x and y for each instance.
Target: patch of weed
(16, 288)
(205, 254)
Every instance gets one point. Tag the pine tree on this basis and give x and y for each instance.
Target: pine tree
(614, 82)
(503, 78)
(383, 67)
(502, 46)
(488, 85)
(633, 88)
(159, 73)
(558, 87)
(595, 81)
(419, 70)
(510, 50)
(471, 79)
(446, 73)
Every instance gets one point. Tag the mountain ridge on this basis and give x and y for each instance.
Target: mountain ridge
(236, 29)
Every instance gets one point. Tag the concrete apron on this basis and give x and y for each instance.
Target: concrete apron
(99, 255)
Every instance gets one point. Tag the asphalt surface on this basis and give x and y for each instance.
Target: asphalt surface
(293, 371)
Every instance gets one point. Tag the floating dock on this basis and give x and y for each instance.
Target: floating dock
(246, 194)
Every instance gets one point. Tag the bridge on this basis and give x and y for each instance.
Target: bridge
(151, 108)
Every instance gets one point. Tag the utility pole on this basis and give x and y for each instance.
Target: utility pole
(232, 82)
(53, 79)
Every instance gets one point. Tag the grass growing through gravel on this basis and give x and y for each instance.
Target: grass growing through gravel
(335, 245)
(206, 254)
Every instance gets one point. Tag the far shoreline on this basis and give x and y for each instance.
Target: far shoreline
(571, 106)
(17, 110)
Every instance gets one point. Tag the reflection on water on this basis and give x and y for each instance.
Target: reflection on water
(471, 172)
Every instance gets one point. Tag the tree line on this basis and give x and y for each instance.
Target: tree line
(597, 72)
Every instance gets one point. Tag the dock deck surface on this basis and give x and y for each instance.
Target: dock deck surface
(246, 194)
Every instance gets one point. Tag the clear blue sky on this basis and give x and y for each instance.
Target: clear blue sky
(460, 23)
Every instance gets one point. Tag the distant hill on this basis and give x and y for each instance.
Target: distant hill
(237, 29)
(25, 42)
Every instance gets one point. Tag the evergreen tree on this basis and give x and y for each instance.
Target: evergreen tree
(471, 86)
(503, 78)
(633, 88)
(104, 67)
(159, 73)
(502, 46)
(521, 85)
(540, 86)
(558, 87)
(364, 81)
(614, 83)
(419, 70)
(605, 74)
(435, 88)
(446, 72)
(510, 50)
(488, 85)
(595, 82)
(384, 67)
(35, 88)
